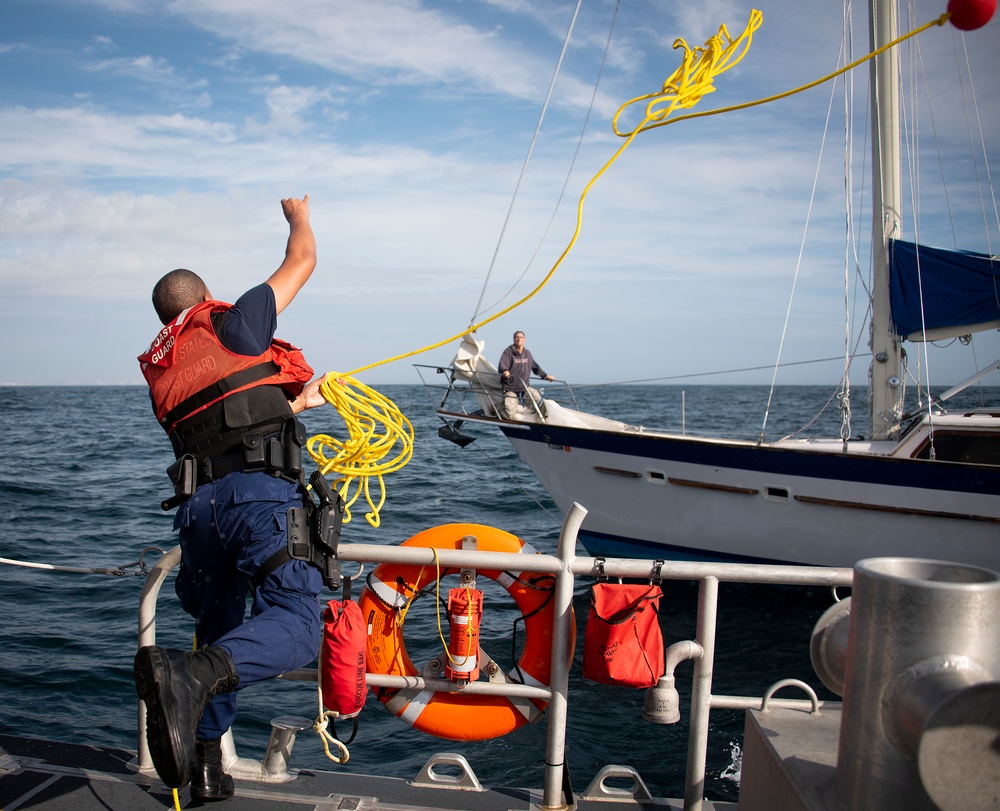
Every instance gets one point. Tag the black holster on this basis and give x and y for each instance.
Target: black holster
(183, 475)
(314, 529)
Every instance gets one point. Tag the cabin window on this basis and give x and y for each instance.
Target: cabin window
(656, 477)
(966, 446)
(774, 493)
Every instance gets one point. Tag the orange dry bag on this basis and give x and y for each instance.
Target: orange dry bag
(342, 660)
(623, 643)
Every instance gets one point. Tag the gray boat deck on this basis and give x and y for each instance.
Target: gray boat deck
(50, 776)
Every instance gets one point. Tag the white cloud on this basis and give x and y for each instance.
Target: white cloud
(407, 124)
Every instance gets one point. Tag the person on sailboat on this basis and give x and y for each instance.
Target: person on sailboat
(515, 367)
(226, 392)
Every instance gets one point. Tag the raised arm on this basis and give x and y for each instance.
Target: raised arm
(300, 253)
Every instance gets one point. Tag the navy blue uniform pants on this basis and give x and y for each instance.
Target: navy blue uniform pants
(228, 528)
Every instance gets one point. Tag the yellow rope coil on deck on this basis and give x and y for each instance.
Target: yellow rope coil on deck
(375, 426)
(358, 458)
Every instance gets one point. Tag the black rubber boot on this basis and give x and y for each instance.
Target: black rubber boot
(210, 782)
(176, 686)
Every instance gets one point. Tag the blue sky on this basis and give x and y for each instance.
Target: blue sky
(139, 136)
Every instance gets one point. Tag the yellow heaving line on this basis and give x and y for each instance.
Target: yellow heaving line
(375, 424)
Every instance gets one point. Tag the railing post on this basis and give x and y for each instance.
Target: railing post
(562, 629)
(701, 694)
(147, 636)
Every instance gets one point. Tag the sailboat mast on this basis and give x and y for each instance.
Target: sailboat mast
(886, 388)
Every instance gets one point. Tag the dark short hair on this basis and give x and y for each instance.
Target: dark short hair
(518, 332)
(177, 291)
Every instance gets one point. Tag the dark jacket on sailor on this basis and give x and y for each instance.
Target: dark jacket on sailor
(520, 365)
(207, 397)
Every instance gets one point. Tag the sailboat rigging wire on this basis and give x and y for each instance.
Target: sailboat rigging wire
(843, 405)
(686, 86)
(718, 65)
(527, 158)
(910, 126)
(768, 366)
(982, 146)
(569, 171)
(798, 262)
(993, 199)
(850, 249)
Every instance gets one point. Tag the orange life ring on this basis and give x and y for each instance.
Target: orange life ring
(452, 714)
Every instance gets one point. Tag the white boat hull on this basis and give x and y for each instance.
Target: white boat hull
(676, 496)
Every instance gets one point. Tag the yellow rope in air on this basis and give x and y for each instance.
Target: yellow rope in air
(703, 86)
(678, 97)
(688, 85)
(691, 82)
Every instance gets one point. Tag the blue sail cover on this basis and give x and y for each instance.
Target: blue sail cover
(960, 289)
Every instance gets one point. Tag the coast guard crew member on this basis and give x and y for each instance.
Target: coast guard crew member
(226, 391)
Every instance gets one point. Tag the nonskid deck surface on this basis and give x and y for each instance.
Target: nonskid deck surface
(50, 776)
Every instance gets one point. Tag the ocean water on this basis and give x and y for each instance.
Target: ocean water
(80, 487)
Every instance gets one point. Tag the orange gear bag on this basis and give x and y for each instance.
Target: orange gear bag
(343, 660)
(623, 644)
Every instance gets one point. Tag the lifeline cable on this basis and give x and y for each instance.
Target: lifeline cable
(141, 570)
(682, 90)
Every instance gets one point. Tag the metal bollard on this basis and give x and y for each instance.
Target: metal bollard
(921, 691)
(279, 746)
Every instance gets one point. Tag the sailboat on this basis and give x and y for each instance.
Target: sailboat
(925, 484)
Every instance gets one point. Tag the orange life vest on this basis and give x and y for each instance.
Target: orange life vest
(186, 359)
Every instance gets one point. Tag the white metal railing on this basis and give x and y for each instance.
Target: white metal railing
(566, 566)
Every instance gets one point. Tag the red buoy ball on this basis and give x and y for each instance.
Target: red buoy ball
(969, 15)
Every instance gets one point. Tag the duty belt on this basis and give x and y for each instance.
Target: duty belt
(278, 454)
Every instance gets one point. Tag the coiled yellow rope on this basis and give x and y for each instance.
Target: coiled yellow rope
(375, 425)
(686, 87)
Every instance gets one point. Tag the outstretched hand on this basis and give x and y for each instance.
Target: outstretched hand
(311, 396)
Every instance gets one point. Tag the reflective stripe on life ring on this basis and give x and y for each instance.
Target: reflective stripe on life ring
(452, 714)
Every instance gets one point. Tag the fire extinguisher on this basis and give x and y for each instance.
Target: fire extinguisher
(465, 611)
